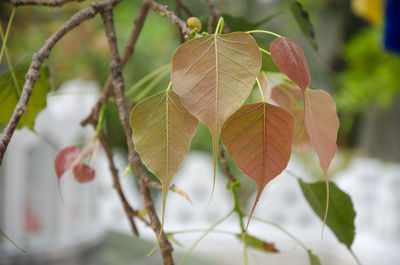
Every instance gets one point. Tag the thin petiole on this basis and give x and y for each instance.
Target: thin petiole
(100, 121)
(10, 66)
(220, 26)
(264, 51)
(210, 229)
(7, 32)
(169, 86)
(261, 91)
(265, 32)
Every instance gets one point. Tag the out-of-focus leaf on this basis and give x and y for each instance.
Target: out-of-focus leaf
(341, 213)
(242, 24)
(182, 193)
(314, 260)
(303, 20)
(65, 159)
(322, 124)
(83, 173)
(259, 138)
(214, 75)
(259, 244)
(9, 96)
(289, 98)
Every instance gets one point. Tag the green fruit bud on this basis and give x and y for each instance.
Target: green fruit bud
(194, 23)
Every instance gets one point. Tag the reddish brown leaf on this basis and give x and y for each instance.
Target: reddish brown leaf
(289, 98)
(83, 173)
(290, 59)
(65, 159)
(259, 137)
(214, 75)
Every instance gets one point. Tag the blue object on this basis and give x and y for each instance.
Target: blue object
(392, 26)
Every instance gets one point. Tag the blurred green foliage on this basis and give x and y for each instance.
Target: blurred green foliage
(371, 78)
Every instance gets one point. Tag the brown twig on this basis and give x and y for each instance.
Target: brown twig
(134, 158)
(129, 211)
(171, 16)
(49, 3)
(34, 70)
(127, 53)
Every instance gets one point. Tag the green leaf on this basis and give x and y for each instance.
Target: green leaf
(314, 260)
(162, 130)
(9, 96)
(303, 20)
(341, 213)
(214, 75)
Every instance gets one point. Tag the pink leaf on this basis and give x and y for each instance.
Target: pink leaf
(65, 160)
(290, 59)
(83, 173)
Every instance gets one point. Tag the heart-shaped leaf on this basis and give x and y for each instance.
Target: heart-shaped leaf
(65, 160)
(259, 138)
(9, 96)
(83, 173)
(289, 98)
(341, 211)
(290, 59)
(162, 130)
(322, 124)
(314, 260)
(214, 75)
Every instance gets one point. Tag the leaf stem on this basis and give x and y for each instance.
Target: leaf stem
(12, 242)
(261, 91)
(283, 230)
(265, 32)
(201, 230)
(355, 257)
(169, 86)
(204, 235)
(146, 78)
(220, 26)
(264, 51)
(7, 32)
(100, 121)
(9, 62)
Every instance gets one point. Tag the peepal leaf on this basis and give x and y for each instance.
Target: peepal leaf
(289, 98)
(303, 20)
(341, 211)
(290, 59)
(65, 160)
(162, 130)
(259, 138)
(322, 124)
(214, 75)
(9, 96)
(83, 173)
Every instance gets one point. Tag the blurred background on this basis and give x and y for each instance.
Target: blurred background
(352, 49)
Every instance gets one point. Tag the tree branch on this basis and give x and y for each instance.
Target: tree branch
(127, 53)
(129, 211)
(171, 16)
(34, 70)
(134, 158)
(49, 3)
